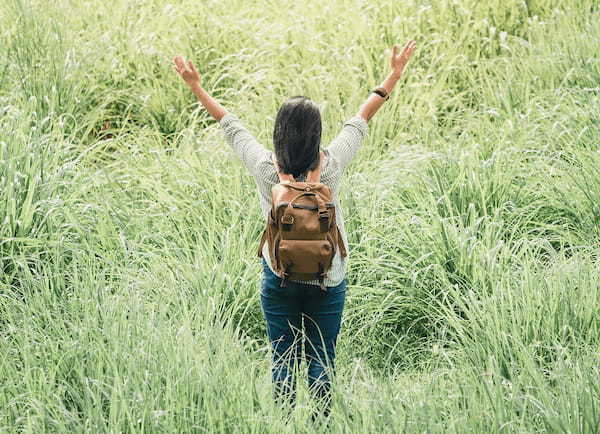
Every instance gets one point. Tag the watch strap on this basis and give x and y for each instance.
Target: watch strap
(381, 92)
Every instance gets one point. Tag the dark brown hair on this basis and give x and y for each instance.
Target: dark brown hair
(297, 135)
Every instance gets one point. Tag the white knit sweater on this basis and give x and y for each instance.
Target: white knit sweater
(338, 155)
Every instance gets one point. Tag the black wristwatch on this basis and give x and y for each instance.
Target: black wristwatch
(381, 92)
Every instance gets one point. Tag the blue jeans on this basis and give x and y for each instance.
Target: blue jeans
(302, 314)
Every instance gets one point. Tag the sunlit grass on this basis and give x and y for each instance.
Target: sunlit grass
(129, 281)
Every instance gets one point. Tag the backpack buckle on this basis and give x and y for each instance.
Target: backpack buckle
(287, 220)
(324, 220)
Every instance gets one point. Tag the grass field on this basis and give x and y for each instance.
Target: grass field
(129, 282)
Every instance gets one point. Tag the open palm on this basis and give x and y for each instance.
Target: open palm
(399, 61)
(187, 71)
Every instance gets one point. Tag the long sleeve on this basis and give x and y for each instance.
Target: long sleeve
(242, 142)
(344, 146)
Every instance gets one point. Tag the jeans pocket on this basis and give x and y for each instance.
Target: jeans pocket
(270, 281)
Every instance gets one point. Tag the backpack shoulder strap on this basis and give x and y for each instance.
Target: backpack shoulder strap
(315, 174)
(283, 177)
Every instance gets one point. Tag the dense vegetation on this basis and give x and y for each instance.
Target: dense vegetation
(128, 285)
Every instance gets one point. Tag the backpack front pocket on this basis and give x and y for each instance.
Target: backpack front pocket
(304, 256)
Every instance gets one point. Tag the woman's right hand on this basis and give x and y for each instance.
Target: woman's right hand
(187, 71)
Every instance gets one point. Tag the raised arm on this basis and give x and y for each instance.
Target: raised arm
(239, 138)
(345, 145)
(397, 62)
(191, 76)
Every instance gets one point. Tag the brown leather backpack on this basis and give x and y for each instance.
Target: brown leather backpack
(301, 231)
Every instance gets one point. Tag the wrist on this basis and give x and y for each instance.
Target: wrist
(395, 75)
(390, 82)
(196, 87)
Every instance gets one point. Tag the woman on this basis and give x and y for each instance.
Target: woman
(300, 308)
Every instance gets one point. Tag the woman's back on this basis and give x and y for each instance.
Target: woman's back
(259, 162)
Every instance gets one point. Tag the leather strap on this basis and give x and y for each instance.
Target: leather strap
(283, 177)
(287, 219)
(382, 92)
(263, 239)
(321, 207)
(321, 275)
(323, 214)
(315, 174)
(287, 272)
(312, 176)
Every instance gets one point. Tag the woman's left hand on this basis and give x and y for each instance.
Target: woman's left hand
(399, 61)
(188, 72)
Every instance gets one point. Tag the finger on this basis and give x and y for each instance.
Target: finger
(412, 48)
(408, 49)
(176, 63)
(184, 67)
(394, 51)
(179, 62)
(192, 67)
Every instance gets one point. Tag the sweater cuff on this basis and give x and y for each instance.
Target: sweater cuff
(360, 123)
(227, 119)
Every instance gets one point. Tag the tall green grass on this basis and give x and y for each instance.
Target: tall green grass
(128, 277)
